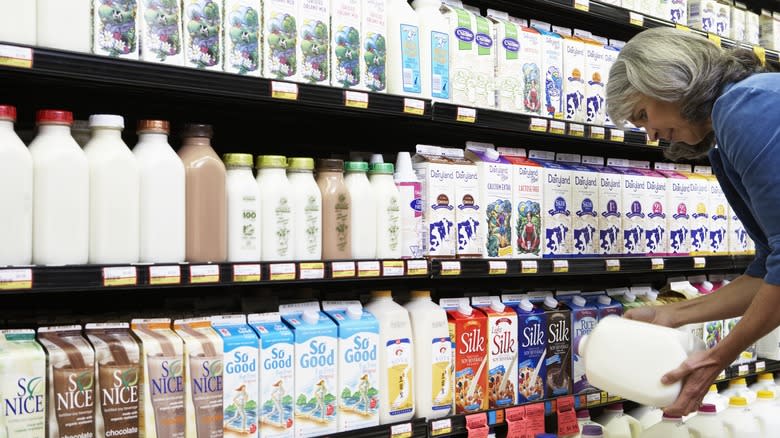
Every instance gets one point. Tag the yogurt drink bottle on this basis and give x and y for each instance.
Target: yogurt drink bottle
(363, 219)
(306, 203)
(278, 233)
(243, 209)
(388, 211)
(16, 193)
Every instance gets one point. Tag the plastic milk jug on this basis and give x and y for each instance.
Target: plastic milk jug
(739, 421)
(765, 381)
(435, 42)
(738, 388)
(669, 427)
(707, 423)
(765, 410)
(16, 193)
(616, 424)
(647, 416)
(404, 74)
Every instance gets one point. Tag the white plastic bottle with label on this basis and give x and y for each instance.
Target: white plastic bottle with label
(306, 201)
(404, 75)
(669, 427)
(278, 229)
(60, 192)
(739, 421)
(396, 358)
(388, 211)
(647, 416)
(162, 195)
(16, 193)
(434, 50)
(18, 21)
(409, 190)
(243, 209)
(618, 424)
(364, 219)
(706, 423)
(113, 193)
(432, 357)
(65, 24)
(714, 398)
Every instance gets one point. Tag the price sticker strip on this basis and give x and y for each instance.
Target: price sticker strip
(699, 262)
(657, 264)
(355, 99)
(597, 133)
(15, 279)
(120, 276)
(617, 135)
(557, 127)
(19, 57)
(200, 274)
(467, 115)
(538, 124)
(246, 273)
(368, 269)
(496, 267)
(414, 106)
(161, 275)
(392, 268)
(281, 271)
(441, 427)
(342, 269)
(450, 268)
(577, 130)
(560, 266)
(403, 430)
(284, 90)
(416, 267)
(613, 265)
(529, 266)
(311, 271)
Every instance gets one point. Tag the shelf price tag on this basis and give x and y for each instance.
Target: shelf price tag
(414, 106)
(246, 273)
(560, 266)
(496, 267)
(650, 142)
(281, 271)
(12, 279)
(342, 269)
(636, 19)
(204, 274)
(722, 375)
(467, 115)
(760, 54)
(416, 267)
(613, 265)
(403, 430)
(368, 269)
(715, 39)
(682, 27)
(355, 99)
(441, 427)
(312, 271)
(656, 264)
(743, 370)
(120, 276)
(476, 425)
(582, 5)
(284, 90)
(515, 421)
(534, 414)
(593, 399)
(392, 268)
(538, 124)
(529, 266)
(699, 263)
(576, 130)
(597, 132)
(760, 366)
(450, 268)
(159, 275)
(12, 56)
(557, 127)
(617, 135)
(567, 418)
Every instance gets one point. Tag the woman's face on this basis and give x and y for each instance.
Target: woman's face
(663, 121)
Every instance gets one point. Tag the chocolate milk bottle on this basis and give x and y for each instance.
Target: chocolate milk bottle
(206, 198)
(118, 371)
(336, 205)
(71, 378)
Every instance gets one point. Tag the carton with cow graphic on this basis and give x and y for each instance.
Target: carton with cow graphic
(556, 205)
(585, 201)
(437, 180)
(495, 191)
(677, 215)
(469, 224)
(526, 203)
(595, 83)
(699, 194)
(656, 238)
(634, 207)
(718, 225)
(609, 207)
(573, 78)
(738, 238)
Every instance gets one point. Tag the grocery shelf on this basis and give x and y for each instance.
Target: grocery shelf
(412, 429)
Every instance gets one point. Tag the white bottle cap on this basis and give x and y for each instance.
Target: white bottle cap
(106, 121)
(403, 167)
(605, 300)
(498, 306)
(465, 309)
(354, 312)
(310, 316)
(526, 305)
(630, 297)
(492, 154)
(376, 158)
(652, 295)
(550, 302)
(578, 301)
(706, 285)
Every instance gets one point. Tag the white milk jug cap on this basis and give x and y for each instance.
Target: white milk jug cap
(354, 312)
(310, 316)
(605, 300)
(707, 285)
(376, 158)
(106, 121)
(498, 306)
(652, 295)
(550, 302)
(630, 297)
(403, 166)
(465, 309)
(526, 305)
(578, 301)
(492, 154)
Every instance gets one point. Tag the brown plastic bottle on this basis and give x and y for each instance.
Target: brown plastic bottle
(336, 204)
(206, 199)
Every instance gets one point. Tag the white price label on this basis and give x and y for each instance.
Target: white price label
(246, 273)
(12, 56)
(636, 19)
(593, 398)
(159, 275)
(529, 266)
(496, 267)
(760, 366)
(282, 271)
(312, 271)
(743, 370)
(582, 5)
(597, 132)
(557, 127)
(414, 106)
(368, 268)
(657, 264)
(355, 99)
(468, 115)
(613, 265)
(576, 130)
(722, 375)
(204, 274)
(284, 90)
(416, 267)
(538, 124)
(120, 276)
(617, 135)
(392, 268)
(403, 430)
(441, 427)
(450, 268)
(560, 266)
(699, 262)
(342, 269)
(15, 279)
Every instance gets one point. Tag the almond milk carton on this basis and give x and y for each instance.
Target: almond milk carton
(678, 218)
(573, 78)
(277, 375)
(656, 236)
(469, 223)
(502, 351)
(719, 211)
(468, 331)
(203, 369)
(280, 39)
(316, 375)
(346, 44)
(585, 202)
(506, 36)
(484, 69)
(437, 178)
(609, 207)
(552, 73)
(527, 203)
(556, 205)
(699, 198)
(463, 54)
(161, 32)
(203, 37)
(532, 78)
(242, 37)
(495, 190)
(634, 208)
(702, 14)
(23, 385)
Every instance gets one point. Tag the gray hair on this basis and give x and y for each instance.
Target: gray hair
(673, 65)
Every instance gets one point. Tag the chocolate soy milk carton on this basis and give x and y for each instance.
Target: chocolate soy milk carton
(22, 385)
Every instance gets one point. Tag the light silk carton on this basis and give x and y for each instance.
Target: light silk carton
(675, 11)
(437, 178)
(738, 21)
(738, 238)
(527, 203)
(702, 15)
(115, 28)
(316, 375)
(531, 72)
(346, 44)
(358, 368)
(276, 404)
(373, 29)
(202, 30)
(556, 205)
(719, 212)
(313, 40)
(161, 31)
(584, 317)
(495, 193)
(241, 375)
(634, 208)
(678, 197)
(585, 202)
(506, 36)
(469, 223)
(551, 74)
(485, 66)
(503, 348)
(532, 347)
(656, 235)
(23, 384)
(573, 78)
(203, 369)
(468, 331)
(595, 82)
(280, 39)
(463, 54)
(700, 205)
(242, 37)
(609, 207)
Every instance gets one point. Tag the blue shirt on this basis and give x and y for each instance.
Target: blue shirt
(746, 121)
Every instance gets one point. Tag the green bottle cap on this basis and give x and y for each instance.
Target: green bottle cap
(382, 168)
(237, 160)
(356, 166)
(300, 163)
(271, 161)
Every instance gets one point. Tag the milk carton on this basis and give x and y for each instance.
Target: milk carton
(346, 49)
(585, 202)
(463, 55)
(648, 7)
(468, 331)
(552, 72)
(313, 39)
(532, 342)
(242, 37)
(752, 28)
(702, 14)
(723, 20)
(495, 192)
(532, 79)
(675, 11)
(738, 21)
(484, 69)
(556, 205)
(699, 196)
(203, 368)
(316, 379)
(678, 197)
(608, 306)
(656, 237)
(115, 28)
(611, 53)
(161, 32)
(584, 317)
(506, 36)
(594, 82)
(241, 375)
(625, 297)
(609, 207)
(770, 29)
(162, 398)
(559, 348)
(738, 238)
(437, 179)
(502, 350)
(202, 29)
(22, 385)
(573, 78)
(719, 212)
(527, 203)
(358, 378)
(373, 29)
(634, 209)
(280, 39)
(277, 375)
(469, 223)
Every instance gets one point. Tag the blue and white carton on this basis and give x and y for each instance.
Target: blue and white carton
(556, 205)
(532, 340)
(584, 317)
(610, 202)
(634, 209)
(584, 204)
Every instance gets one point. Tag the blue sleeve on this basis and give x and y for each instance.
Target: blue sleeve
(747, 125)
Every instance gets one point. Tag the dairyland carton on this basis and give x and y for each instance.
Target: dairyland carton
(468, 331)
(678, 197)
(161, 32)
(316, 379)
(723, 20)
(675, 11)
(280, 39)
(495, 192)
(609, 207)
(346, 51)
(719, 211)
(752, 28)
(584, 204)
(595, 82)
(556, 205)
(531, 72)
(573, 78)
(469, 223)
(532, 346)
(702, 14)
(738, 21)
(242, 37)
(527, 203)
(276, 377)
(437, 178)
(634, 211)
(484, 69)
(738, 238)
(552, 73)
(358, 368)
(502, 351)
(241, 375)
(699, 188)
(22, 385)
(203, 36)
(656, 237)
(508, 63)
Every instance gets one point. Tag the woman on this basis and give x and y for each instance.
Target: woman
(682, 88)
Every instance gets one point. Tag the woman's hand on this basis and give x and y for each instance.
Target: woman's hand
(659, 315)
(697, 373)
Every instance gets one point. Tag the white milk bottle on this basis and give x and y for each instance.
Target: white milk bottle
(669, 427)
(403, 60)
(65, 25)
(306, 202)
(738, 387)
(714, 398)
(243, 209)
(619, 425)
(765, 381)
(16, 193)
(706, 423)
(765, 410)
(278, 231)
(583, 419)
(113, 193)
(162, 195)
(388, 211)
(647, 416)
(364, 200)
(409, 189)
(61, 194)
(739, 421)
(396, 358)
(434, 50)
(433, 357)
(18, 21)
